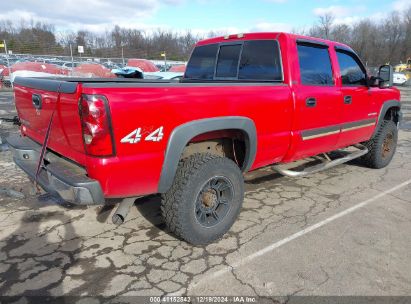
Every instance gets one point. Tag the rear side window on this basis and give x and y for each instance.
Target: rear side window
(352, 72)
(315, 65)
(202, 62)
(260, 60)
(227, 63)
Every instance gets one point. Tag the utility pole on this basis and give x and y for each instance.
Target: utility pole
(165, 60)
(71, 54)
(122, 54)
(8, 62)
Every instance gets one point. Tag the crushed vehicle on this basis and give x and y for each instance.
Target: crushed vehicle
(246, 101)
(128, 72)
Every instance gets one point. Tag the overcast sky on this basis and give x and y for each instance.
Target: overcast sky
(197, 15)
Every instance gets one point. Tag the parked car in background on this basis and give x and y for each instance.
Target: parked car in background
(3, 61)
(56, 62)
(33, 74)
(92, 70)
(144, 64)
(111, 65)
(30, 69)
(129, 72)
(178, 68)
(164, 75)
(2, 82)
(70, 65)
(399, 79)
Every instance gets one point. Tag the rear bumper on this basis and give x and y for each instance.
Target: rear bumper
(57, 175)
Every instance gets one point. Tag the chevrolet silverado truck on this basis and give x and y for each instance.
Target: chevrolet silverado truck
(246, 101)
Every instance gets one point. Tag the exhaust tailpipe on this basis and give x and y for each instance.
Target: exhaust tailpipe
(122, 210)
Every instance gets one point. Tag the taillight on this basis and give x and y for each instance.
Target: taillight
(96, 125)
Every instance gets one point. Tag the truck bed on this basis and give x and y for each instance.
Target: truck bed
(150, 105)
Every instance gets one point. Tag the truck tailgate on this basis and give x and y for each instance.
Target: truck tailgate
(36, 99)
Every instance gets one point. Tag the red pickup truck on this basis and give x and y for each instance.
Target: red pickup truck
(246, 101)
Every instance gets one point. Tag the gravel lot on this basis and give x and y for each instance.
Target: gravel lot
(345, 231)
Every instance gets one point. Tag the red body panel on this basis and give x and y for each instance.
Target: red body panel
(277, 109)
(151, 108)
(66, 136)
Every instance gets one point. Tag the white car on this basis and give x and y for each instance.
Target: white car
(399, 78)
(30, 74)
(163, 75)
(70, 65)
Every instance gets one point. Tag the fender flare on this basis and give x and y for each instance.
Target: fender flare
(182, 134)
(385, 107)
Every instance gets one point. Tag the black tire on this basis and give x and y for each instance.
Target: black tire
(382, 146)
(185, 205)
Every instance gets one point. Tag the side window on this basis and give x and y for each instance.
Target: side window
(315, 65)
(227, 64)
(352, 72)
(260, 60)
(202, 62)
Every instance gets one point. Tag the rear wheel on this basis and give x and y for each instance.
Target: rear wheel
(205, 198)
(382, 146)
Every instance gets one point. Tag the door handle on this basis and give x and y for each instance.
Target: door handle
(311, 102)
(347, 99)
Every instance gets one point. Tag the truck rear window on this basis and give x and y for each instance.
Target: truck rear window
(254, 60)
(202, 62)
(227, 64)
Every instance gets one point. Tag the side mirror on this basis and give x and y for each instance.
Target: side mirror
(385, 73)
(374, 81)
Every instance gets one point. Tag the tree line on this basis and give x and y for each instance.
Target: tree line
(376, 41)
(387, 40)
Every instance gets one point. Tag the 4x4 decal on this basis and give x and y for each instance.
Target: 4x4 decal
(136, 136)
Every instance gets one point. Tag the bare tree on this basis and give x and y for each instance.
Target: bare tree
(406, 42)
(341, 33)
(326, 22)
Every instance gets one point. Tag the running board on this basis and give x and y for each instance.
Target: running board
(324, 165)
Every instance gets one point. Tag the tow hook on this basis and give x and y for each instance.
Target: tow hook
(122, 210)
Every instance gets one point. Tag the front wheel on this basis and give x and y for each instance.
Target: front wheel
(382, 146)
(205, 198)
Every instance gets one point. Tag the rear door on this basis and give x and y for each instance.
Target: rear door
(318, 106)
(357, 121)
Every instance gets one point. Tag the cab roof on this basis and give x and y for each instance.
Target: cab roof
(268, 35)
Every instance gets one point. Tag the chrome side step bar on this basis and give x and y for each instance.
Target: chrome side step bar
(324, 165)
